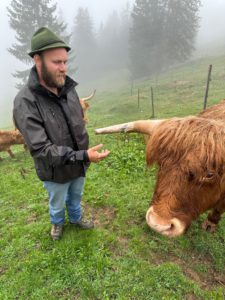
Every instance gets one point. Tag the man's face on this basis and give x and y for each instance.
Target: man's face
(53, 67)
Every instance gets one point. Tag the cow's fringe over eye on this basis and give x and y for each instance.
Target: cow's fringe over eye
(179, 141)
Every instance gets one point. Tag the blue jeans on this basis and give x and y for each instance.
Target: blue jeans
(65, 194)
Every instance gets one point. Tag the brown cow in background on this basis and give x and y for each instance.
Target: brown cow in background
(85, 105)
(190, 154)
(9, 138)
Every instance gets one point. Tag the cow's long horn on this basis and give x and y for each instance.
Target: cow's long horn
(142, 126)
(89, 97)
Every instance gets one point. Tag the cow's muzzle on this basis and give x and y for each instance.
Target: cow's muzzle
(170, 227)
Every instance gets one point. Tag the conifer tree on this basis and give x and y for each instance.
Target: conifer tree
(108, 39)
(113, 38)
(180, 28)
(162, 34)
(145, 37)
(25, 17)
(123, 36)
(84, 43)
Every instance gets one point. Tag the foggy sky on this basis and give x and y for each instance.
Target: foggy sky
(211, 36)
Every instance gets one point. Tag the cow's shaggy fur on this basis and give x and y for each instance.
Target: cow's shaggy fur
(177, 140)
(85, 106)
(190, 153)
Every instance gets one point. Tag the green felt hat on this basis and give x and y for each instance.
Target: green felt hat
(44, 39)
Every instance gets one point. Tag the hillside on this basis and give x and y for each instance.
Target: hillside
(121, 258)
(177, 92)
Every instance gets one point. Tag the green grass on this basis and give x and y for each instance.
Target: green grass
(121, 258)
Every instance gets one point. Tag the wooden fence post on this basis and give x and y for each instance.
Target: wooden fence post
(138, 98)
(152, 101)
(207, 86)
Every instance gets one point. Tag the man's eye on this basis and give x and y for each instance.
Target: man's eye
(60, 62)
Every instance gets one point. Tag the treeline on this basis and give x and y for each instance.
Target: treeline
(103, 49)
(162, 34)
(146, 38)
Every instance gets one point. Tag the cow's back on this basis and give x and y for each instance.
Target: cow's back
(215, 112)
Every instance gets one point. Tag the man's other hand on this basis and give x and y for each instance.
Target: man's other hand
(95, 156)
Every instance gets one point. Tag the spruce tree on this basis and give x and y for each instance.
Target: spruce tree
(180, 27)
(145, 37)
(84, 43)
(162, 34)
(123, 43)
(25, 17)
(113, 38)
(108, 40)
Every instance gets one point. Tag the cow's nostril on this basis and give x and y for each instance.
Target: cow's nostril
(171, 226)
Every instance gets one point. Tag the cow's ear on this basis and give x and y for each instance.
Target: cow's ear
(150, 156)
(151, 151)
(149, 159)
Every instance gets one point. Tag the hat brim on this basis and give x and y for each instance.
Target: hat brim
(56, 45)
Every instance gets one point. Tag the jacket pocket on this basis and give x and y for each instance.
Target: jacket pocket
(44, 172)
(65, 173)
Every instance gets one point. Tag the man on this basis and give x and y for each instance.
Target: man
(48, 113)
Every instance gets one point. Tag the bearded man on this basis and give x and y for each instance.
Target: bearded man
(48, 113)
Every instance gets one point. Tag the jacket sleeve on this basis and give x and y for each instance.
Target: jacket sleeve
(31, 126)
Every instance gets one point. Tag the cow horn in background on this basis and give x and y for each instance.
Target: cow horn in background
(89, 97)
(141, 126)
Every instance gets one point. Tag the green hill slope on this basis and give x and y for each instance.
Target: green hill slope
(121, 258)
(177, 92)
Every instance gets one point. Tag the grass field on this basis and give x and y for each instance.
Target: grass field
(121, 258)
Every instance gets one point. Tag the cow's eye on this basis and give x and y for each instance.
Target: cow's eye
(209, 175)
(191, 176)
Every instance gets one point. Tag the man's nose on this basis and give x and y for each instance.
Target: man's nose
(62, 67)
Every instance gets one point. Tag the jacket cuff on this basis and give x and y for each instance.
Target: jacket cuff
(80, 155)
(86, 158)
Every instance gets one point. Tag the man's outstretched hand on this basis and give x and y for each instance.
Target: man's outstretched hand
(95, 156)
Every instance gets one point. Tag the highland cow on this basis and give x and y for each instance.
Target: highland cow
(190, 154)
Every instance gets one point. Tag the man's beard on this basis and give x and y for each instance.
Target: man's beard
(51, 79)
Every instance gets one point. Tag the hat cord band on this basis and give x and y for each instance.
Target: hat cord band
(49, 43)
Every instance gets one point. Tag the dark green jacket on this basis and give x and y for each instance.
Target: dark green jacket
(53, 129)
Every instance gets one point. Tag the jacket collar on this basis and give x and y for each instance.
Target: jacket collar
(34, 84)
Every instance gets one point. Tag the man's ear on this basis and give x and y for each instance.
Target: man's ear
(37, 60)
